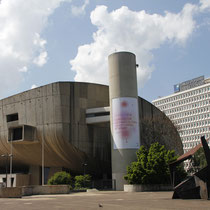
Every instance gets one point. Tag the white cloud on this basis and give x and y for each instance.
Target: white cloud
(34, 86)
(205, 4)
(79, 10)
(41, 59)
(24, 69)
(20, 43)
(126, 30)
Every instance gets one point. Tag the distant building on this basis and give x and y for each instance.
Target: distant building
(189, 109)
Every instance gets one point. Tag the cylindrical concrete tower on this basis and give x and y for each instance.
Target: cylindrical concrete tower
(124, 116)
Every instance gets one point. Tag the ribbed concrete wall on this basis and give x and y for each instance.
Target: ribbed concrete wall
(57, 111)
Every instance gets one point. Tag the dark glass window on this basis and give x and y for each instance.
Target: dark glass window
(12, 117)
(17, 133)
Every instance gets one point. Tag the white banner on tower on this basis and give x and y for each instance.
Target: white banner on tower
(125, 118)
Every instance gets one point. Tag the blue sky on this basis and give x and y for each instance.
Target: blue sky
(69, 40)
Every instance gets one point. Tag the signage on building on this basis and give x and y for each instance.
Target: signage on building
(176, 88)
(125, 118)
(189, 84)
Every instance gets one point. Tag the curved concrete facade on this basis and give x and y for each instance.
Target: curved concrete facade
(55, 115)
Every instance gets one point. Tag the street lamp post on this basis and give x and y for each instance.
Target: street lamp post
(6, 167)
(11, 157)
(43, 157)
(84, 165)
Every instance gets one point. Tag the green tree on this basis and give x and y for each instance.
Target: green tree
(82, 181)
(61, 177)
(151, 166)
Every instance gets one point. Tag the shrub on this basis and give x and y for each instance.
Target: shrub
(61, 177)
(152, 166)
(82, 181)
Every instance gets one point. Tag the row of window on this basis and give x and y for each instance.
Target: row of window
(194, 131)
(191, 145)
(187, 107)
(183, 96)
(186, 150)
(194, 113)
(195, 118)
(177, 106)
(194, 138)
(194, 125)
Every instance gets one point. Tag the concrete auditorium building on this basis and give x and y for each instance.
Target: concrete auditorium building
(66, 126)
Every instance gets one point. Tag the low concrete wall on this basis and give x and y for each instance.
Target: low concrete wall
(11, 192)
(147, 188)
(44, 190)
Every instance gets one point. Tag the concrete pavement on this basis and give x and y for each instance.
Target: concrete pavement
(103, 200)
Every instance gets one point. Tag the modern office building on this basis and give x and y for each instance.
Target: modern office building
(189, 109)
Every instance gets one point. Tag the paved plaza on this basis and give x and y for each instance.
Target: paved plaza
(103, 200)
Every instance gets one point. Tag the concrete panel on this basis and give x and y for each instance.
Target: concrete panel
(74, 133)
(7, 101)
(91, 92)
(44, 90)
(58, 114)
(1, 117)
(23, 96)
(9, 109)
(39, 111)
(146, 109)
(35, 175)
(21, 112)
(39, 92)
(83, 103)
(76, 114)
(156, 112)
(102, 93)
(82, 116)
(99, 103)
(65, 114)
(50, 89)
(32, 94)
(66, 131)
(26, 95)
(64, 88)
(22, 180)
(83, 91)
(92, 104)
(57, 100)
(17, 98)
(48, 109)
(65, 100)
(74, 90)
(30, 112)
(55, 88)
